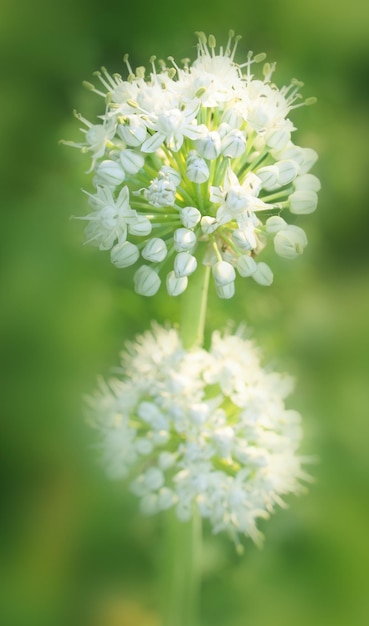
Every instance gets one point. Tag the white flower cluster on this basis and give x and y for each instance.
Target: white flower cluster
(200, 428)
(197, 162)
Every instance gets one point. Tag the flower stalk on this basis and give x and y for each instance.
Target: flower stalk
(183, 571)
(193, 307)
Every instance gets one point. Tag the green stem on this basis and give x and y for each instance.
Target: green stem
(193, 306)
(183, 539)
(182, 571)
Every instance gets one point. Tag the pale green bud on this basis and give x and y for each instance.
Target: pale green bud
(290, 243)
(190, 216)
(176, 284)
(310, 157)
(223, 273)
(155, 250)
(209, 147)
(140, 227)
(225, 291)
(275, 223)
(303, 202)
(233, 117)
(197, 170)
(246, 265)
(263, 274)
(146, 281)
(307, 182)
(244, 239)
(131, 161)
(208, 224)
(183, 239)
(124, 254)
(278, 139)
(234, 144)
(287, 171)
(184, 264)
(269, 177)
(110, 173)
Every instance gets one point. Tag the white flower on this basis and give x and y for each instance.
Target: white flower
(110, 219)
(133, 131)
(172, 126)
(233, 456)
(205, 147)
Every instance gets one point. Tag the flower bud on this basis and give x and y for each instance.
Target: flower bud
(245, 238)
(197, 170)
(287, 172)
(307, 182)
(133, 131)
(184, 264)
(146, 281)
(225, 291)
(183, 239)
(190, 216)
(310, 157)
(110, 173)
(223, 273)
(208, 224)
(269, 177)
(155, 250)
(131, 161)
(275, 223)
(124, 254)
(302, 202)
(278, 139)
(290, 153)
(209, 147)
(233, 117)
(170, 174)
(176, 284)
(140, 227)
(263, 274)
(246, 265)
(223, 130)
(289, 243)
(234, 144)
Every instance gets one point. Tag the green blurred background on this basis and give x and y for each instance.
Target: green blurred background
(75, 551)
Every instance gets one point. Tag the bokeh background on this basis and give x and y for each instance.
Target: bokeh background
(75, 551)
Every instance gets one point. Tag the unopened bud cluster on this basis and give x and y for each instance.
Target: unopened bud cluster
(205, 429)
(197, 162)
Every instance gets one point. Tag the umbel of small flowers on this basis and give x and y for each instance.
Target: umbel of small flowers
(205, 429)
(195, 164)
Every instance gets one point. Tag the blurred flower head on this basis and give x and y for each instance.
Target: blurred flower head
(196, 163)
(205, 429)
